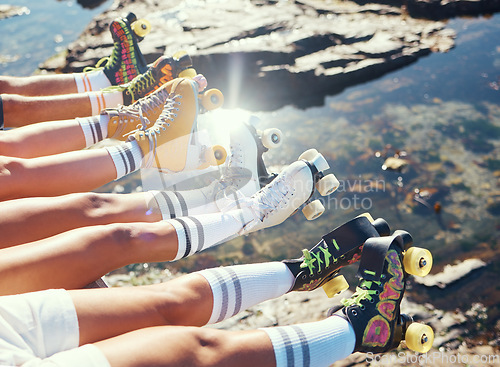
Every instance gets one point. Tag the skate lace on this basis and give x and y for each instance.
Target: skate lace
(105, 61)
(268, 199)
(309, 261)
(363, 291)
(125, 112)
(166, 117)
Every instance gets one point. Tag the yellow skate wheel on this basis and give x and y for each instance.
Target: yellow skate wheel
(328, 184)
(178, 55)
(212, 99)
(419, 337)
(367, 215)
(141, 27)
(220, 154)
(417, 261)
(188, 73)
(335, 286)
(313, 210)
(271, 138)
(308, 155)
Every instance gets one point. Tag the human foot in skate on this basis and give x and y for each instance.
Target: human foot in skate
(320, 266)
(126, 61)
(291, 189)
(171, 143)
(374, 309)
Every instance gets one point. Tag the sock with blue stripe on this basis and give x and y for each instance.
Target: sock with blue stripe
(314, 344)
(235, 288)
(199, 232)
(95, 128)
(127, 158)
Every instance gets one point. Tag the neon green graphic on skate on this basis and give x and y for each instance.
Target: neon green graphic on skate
(309, 260)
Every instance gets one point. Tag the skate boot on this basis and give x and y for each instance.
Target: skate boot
(320, 266)
(163, 70)
(170, 144)
(374, 309)
(126, 61)
(291, 189)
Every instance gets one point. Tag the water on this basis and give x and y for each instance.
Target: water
(440, 113)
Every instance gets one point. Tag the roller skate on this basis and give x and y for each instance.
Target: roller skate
(163, 70)
(126, 61)
(170, 144)
(291, 189)
(374, 309)
(320, 266)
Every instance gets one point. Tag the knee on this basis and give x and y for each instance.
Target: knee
(95, 205)
(12, 179)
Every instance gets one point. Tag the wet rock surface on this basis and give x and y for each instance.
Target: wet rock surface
(290, 52)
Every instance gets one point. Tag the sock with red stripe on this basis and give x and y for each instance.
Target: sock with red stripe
(91, 81)
(99, 101)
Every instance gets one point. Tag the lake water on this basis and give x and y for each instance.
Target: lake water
(441, 114)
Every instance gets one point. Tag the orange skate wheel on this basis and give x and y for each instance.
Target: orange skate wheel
(220, 154)
(141, 27)
(419, 337)
(417, 261)
(335, 286)
(212, 99)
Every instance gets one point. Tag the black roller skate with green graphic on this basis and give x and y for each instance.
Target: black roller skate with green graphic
(320, 266)
(126, 61)
(374, 309)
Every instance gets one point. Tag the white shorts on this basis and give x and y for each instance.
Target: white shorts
(41, 329)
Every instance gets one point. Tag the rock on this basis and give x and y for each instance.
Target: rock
(267, 54)
(451, 273)
(395, 164)
(7, 11)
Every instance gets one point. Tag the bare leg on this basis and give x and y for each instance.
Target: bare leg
(75, 258)
(54, 175)
(38, 85)
(42, 139)
(105, 313)
(21, 110)
(49, 216)
(189, 346)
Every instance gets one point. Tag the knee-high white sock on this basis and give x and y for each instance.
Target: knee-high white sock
(197, 233)
(235, 288)
(315, 344)
(174, 204)
(126, 157)
(91, 81)
(99, 101)
(95, 128)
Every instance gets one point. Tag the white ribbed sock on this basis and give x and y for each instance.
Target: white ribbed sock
(235, 288)
(126, 157)
(197, 233)
(99, 101)
(95, 128)
(91, 81)
(315, 344)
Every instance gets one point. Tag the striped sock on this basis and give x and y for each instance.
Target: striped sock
(99, 101)
(174, 204)
(315, 344)
(197, 233)
(95, 128)
(126, 157)
(91, 81)
(235, 288)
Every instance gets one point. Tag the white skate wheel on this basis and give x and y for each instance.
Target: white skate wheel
(313, 210)
(271, 138)
(327, 184)
(319, 162)
(308, 155)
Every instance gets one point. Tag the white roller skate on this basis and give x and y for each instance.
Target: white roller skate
(290, 190)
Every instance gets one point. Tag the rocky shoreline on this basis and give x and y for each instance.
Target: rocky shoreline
(290, 52)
